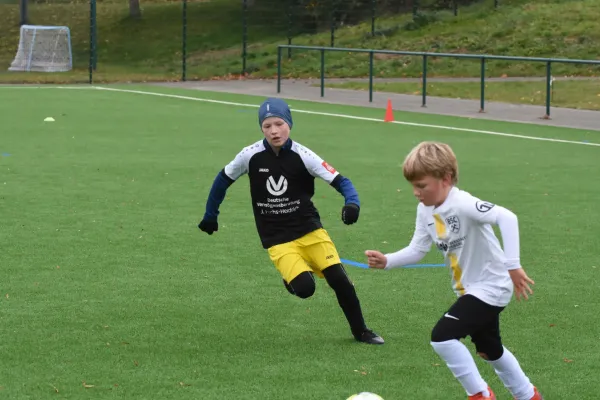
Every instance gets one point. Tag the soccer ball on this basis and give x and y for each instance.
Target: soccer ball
(365, 396)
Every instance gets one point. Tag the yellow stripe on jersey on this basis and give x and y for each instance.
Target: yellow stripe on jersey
(456, 273)
(440, 227)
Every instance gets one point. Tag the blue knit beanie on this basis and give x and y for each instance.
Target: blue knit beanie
(274, 107)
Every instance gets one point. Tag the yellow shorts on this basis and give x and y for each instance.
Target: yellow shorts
(312, 252)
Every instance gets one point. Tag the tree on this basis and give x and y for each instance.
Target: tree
(23, 13)
(134, 9)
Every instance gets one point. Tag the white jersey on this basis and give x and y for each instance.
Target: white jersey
(461, 229)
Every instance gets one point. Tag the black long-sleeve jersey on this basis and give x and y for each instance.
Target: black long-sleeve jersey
(281, 187)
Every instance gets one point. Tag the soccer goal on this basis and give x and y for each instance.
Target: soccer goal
(43, 49)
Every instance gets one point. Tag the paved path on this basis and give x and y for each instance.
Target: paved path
(303, 90)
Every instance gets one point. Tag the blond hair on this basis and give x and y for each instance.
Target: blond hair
(434, 159)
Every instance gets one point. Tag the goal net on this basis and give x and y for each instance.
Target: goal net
(43, 49)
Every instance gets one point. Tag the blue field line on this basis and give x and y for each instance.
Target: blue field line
(361, 265)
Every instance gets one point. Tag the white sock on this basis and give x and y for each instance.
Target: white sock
(510, 373)
(462, 365)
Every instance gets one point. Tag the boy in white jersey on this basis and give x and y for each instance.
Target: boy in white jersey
(483, 275)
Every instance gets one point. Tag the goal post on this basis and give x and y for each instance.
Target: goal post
(43, 49)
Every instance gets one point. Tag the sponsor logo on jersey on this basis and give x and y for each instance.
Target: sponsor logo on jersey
(452, 245)
(484, 206)
(328, 167)
(442, 246)
(277, 188)
(453, 223)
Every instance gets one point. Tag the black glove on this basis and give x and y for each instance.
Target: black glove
(208, 226)
(350, 213)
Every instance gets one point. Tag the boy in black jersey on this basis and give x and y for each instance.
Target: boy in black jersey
(282, 174)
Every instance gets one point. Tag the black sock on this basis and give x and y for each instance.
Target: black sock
(302, 286)
(346, 295)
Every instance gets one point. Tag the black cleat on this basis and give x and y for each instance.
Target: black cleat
(370, 337)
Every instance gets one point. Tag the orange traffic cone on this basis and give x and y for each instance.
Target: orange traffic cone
(389, 113)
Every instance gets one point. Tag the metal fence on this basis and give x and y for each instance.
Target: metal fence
(425, 56)
(186, 39)
(304, 17)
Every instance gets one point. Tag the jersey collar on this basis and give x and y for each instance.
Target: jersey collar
(451, 193)
(286, 146)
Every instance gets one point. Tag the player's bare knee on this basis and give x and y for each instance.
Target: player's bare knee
(483, 355)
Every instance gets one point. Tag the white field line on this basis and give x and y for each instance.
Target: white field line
(230, 103)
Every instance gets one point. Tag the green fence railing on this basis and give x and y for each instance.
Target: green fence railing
(482, 57)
